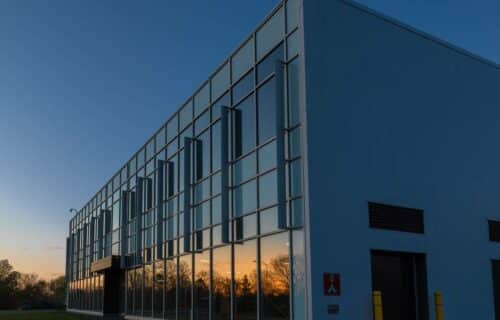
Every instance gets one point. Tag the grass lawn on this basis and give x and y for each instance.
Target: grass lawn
(38, 315)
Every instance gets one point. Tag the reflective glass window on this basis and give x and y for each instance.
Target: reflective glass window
(138, 291)
(202, 215)
(243, 87)
(221, 282)
(296, 178)
(159, 284)
(185, 115)
(297, 212)
(292, 14)
(244, 123)
(243, 60)
(224, 101)
(170, 288)
(267, 157)
(141, 158)
(172, 129)
(275, 277)
(202, 122)
(270, 33)
(269, 220)
(220, 82)
(185, 282)
(266, 103)
(294, 143)
(245, 227)
(268, 66)
(160, 139)
(299, 275)
(245, 280)
(202, 152)
(216, 211)
(201, 99)
(244, 169)
(202, 285)
(245, 198)
(293, 45)
(150, 149)
(293, 93)
(148, 290)
(216, 142)
(268, 190)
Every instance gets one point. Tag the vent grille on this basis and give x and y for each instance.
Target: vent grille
(494, 227)
(395, 218)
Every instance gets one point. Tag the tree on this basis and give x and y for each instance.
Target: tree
(9, 280)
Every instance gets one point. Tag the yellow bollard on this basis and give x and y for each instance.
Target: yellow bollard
(378, 313)
(438, 301)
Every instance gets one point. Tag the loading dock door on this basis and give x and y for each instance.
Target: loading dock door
(401, 278)
(496, 287)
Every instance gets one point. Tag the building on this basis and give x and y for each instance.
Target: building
(335, 153)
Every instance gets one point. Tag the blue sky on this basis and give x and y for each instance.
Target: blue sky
(84, 83)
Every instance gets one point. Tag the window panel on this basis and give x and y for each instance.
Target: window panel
(292, 14)
(202, 122)
(245, 280)
(293, 45)
(159, 284)
(267, 157)
(150, 149)
(294, 143)
(245, 198)
(269, 220)
(221, 282)
(216, 147)
(267, 103)
(138, 291)
(172, 129)
(148, 290)
(275, 277)
(244, 169)
(268, 189)
(296, 178)
(243, 87)
(271, 33)
(160, 139)
(268, 66)
(185, 282)
(170, 288)
(220, 82)
(244, 123)
(299, 275)
(201, 99)
(243, 60)
(202, 285)
(293, 93)
(224, 101)
(186, 115)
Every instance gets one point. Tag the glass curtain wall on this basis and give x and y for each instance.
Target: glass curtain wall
(179, 265)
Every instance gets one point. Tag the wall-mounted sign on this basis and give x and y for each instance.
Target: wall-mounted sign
(333, 309)
(331, 284)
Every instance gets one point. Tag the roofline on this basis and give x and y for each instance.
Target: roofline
(420, 33)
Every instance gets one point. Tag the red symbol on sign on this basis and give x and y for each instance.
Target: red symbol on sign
(331, 284)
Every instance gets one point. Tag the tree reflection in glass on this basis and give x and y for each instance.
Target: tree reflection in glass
(170, 288)
(221, 298)
(202, 285)
(245, 280)
(185, 278)
(275, 277)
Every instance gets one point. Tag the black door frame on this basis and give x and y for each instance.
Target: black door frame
(419, 266)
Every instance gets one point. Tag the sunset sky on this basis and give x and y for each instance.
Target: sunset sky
(84, 83)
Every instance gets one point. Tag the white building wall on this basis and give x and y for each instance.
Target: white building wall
(396, 117)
